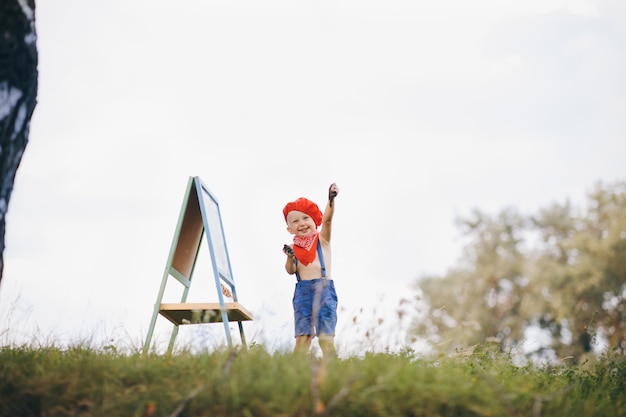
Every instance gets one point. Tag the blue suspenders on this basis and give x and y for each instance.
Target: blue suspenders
(321, 255)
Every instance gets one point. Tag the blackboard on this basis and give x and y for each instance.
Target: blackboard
(214, 231)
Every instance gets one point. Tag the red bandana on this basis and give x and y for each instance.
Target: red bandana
(304, 247)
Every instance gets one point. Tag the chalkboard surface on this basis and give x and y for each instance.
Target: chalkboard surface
(214, 231)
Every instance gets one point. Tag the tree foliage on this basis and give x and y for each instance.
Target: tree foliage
(558, 270)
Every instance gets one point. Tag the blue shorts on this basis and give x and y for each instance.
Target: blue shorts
(315, 307)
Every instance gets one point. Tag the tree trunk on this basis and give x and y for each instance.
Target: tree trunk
(18, 94)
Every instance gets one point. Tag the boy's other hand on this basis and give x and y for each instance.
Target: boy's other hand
(333, 190)
(287, 250)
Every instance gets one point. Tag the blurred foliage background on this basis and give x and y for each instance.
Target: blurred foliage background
(559, 273)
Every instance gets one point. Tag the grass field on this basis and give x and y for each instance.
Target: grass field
(86, 381)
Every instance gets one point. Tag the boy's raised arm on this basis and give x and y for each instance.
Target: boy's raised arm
(327, 220)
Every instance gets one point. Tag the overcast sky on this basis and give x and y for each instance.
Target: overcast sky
(420, 111)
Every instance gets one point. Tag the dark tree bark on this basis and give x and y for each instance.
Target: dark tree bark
(18, 94)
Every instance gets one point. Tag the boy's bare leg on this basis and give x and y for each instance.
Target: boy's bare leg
(327, 344)
(303, 343)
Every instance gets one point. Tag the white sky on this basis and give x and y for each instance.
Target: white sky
(418, 110)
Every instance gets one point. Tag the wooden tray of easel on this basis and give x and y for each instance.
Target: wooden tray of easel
(196, 313)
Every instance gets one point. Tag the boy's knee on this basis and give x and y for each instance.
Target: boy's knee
(303, 342)
(327, 344)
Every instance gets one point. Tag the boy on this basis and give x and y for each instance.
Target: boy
(309, 257)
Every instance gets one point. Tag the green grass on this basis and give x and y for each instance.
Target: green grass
(85, 381)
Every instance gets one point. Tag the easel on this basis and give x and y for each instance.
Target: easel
(200, 213)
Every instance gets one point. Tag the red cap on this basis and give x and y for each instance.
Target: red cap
(305, 206)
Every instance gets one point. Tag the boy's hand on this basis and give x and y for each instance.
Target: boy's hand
(333, 190)
(287, 250)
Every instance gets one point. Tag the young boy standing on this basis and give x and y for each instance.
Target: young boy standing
(309, 258)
